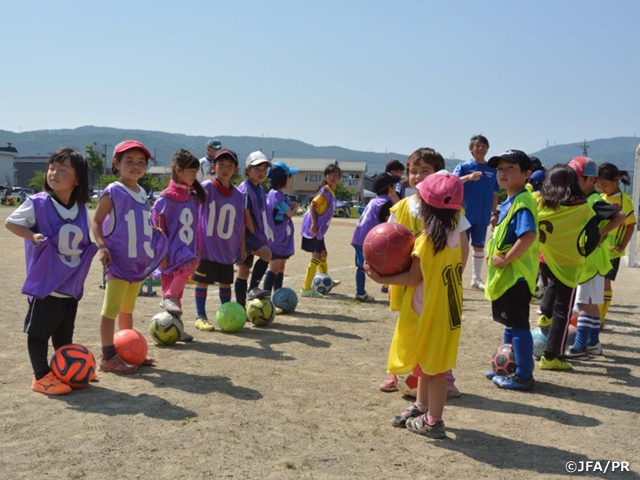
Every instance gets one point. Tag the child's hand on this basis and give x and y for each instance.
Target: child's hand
(314, 229)
(104, 256)
(243, 255)
(499, 260)
(615, 249)
(475, 176)
(37, 238)
(376, 277)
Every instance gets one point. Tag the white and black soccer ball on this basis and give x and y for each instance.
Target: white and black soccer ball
(322, 283)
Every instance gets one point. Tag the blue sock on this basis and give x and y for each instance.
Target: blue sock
(360, 281)
(583, 332)
(277, 284)
(594, 333)
(269, 280)
(507, 335)
(523, 350)
(225, 295)
(201, 302)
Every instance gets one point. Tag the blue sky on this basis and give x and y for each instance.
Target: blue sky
(368, 75)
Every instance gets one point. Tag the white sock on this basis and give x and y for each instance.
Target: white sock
(477, 261)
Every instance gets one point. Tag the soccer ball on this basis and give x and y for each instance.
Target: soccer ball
(539, 336)
(387, 248)
(322, 283)
(261, 311)
(74, 364)
(166, 329)
(286, 299)
(231, 317)
(408, 385)
(503, 362)
(131, 346)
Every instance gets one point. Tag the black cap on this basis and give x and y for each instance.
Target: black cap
(383, 181)
(536, 164)
(512, 156)
(394, 165)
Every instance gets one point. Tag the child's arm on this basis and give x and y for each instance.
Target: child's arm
(410, 278)
(473, 177)
(464, 247)
(314, 218)
(625, 240)
(501, 260)
(102, 210)
(614, 222)
(24, 232)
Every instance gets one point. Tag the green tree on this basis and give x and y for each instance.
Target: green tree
(37, 181)
(343, 193)
(96, 160)
(152, 184)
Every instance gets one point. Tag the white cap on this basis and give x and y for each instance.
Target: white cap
(257, 158)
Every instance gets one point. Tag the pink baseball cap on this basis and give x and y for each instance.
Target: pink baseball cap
(128, 145)
(584, 167)
(442, 190)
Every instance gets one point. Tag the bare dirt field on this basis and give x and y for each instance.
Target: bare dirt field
(300, 398)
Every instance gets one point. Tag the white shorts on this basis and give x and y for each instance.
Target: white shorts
(591, 291)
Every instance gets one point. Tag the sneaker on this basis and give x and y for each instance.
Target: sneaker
(452, 390)
(555, 364)
(595, 349)
(171, 305)
(477, 284)
(310, 293)
(50, 385)
(336, 283)
(148, 362)
(412, 411)
(202, 323)
(489, 374)
(116, 365)
(420, 425)
(384, 289)
(365, 297)
(390, 384)
(514, 382)
(279, 311)
(258, 293)
(186, 338)
(539, 293)
(544, 321)
(572, 353)
(538, 312)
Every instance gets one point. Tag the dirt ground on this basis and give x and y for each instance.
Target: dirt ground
(300, 399)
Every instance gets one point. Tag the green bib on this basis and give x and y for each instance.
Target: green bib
(599, 262)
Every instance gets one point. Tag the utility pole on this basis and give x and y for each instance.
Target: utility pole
(585, 148)
(273, 152)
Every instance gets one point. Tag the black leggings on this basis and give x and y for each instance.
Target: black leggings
(556, 304)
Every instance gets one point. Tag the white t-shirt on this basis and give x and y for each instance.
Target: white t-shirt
(25, 215)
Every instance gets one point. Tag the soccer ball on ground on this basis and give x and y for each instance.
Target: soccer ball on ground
(74, 365)
(539, 336)
(408, 385)
(286, 299)
(322, 283)
(503, 362)
(261, 311)
(231, 317)
(166, 329)
(131, 346)
(387, 248)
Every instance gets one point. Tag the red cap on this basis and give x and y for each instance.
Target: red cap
(128, 145)
(442, 190)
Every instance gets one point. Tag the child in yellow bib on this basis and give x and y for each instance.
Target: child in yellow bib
(425, 341)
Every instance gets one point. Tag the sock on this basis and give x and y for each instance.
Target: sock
(361, 278)
(507, 336)
(594, 333)
(431, 420)
(201, 302)
(311, 272)
(258, 272)
(604, 308)
(585, 323)
(241, 291)
(323, 266)
(39, 356)
(108, 352)
(523, 350)
(269, 280)
(477, 261)
(277, 284)
(225, 294)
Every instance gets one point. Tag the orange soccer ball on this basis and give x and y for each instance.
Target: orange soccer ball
(74, 364)
(131, 346)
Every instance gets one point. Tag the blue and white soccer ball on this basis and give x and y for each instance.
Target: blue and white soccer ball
(322, 283)
(286, 299)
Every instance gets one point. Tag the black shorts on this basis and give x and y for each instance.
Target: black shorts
(279, 257)
(252, 243)
(209, 272)
(51, 316)
(512, 308)
(313, 245)
(615, 263)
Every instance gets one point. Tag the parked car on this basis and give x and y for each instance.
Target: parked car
(342, 209)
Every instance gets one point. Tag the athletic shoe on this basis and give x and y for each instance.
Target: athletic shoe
(412, 411)
(50, 385)
(365, 298)
(477, 284)
(572, 353)
(452, 390)
(390, 384)
(336, 282)
(171, 305)
(420, 425)
(279, 311)
(148, 362)
(116, 365)
(544, 321)
(258, 293)
(539, 293)
(384, 289)
(489, 374)
(539, 312)
(514, 382)
(310, 293)
(186, 338)
(555, 364)
(595, 349)
(202, 323)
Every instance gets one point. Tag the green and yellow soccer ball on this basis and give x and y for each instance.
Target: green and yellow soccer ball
(231, 317)
(261, 311)
(166, 329)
